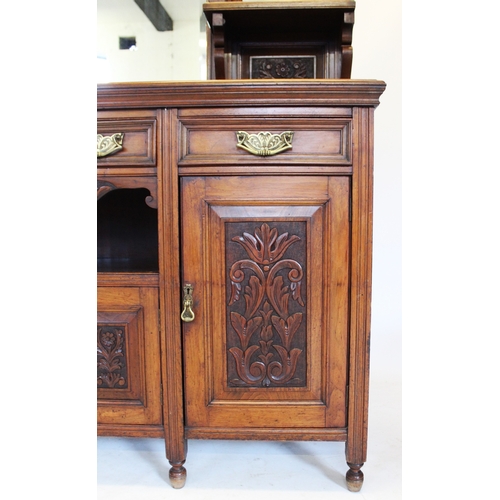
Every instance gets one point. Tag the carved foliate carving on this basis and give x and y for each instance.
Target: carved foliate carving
(266, 308)
(265, 67)
(111, 360)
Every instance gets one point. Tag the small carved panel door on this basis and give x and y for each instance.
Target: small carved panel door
(128, 358)
(266, 259)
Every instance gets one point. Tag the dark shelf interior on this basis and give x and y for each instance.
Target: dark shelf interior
(127, 232)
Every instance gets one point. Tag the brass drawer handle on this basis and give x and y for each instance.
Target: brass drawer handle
(187, 314)
(109, 144)
(264, 143)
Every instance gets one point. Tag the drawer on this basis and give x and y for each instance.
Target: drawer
(126, 139)
(265, 137)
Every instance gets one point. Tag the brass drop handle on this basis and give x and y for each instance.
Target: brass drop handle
(187, 314)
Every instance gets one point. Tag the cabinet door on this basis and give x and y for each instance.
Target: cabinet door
(267, 258)
(128, 356)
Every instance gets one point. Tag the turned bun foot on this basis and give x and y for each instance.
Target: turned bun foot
(354, 477)
(177, 475)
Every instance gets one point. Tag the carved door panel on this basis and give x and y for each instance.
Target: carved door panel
(267, 258)
(128, 356)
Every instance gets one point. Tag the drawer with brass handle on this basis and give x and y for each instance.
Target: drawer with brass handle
(126, 140)
(212, 140)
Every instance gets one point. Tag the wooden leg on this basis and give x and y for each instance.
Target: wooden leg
(177, 475)
(354, 477)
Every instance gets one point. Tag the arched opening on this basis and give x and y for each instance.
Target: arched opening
(127, 232)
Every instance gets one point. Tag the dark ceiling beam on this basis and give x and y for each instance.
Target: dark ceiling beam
(156, 13)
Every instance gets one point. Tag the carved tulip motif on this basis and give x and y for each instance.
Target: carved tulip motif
(262, 357)
(266, 246)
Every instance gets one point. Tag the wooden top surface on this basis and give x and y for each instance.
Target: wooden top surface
(285, 4)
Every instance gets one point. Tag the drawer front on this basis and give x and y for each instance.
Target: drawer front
(126, 139)
(260, 138)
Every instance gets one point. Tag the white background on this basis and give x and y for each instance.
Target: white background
(449, 171)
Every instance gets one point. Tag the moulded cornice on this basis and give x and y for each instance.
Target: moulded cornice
(210, 93)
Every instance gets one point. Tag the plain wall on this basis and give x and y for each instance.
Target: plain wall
(160, 55)
(377, 47)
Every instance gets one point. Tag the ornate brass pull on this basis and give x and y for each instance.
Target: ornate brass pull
(187, 314)
(264, 143)
(109, 144)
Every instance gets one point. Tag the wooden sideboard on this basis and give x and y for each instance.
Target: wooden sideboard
(234, 262)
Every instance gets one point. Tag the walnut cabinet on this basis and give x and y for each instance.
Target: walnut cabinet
(234, 262)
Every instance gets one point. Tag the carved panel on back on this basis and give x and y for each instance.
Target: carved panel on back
(268, 67)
